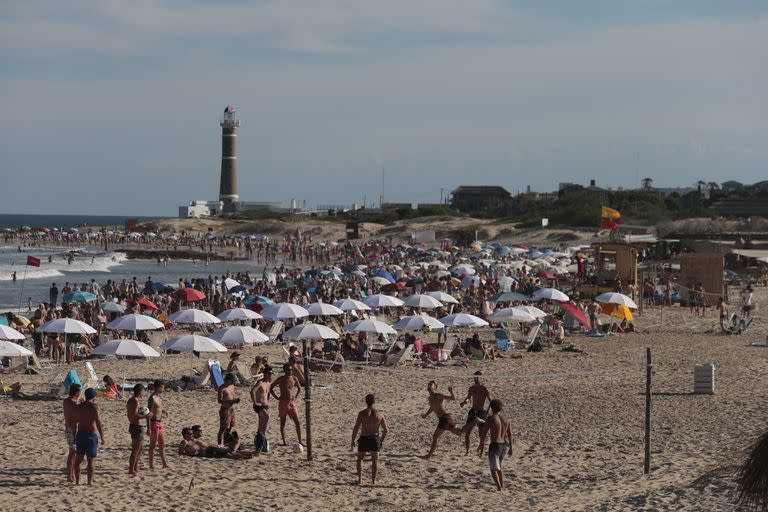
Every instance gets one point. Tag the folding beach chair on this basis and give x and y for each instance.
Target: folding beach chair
(41, 364)
(92, 378)
(502, 340)
(401, 357)
(276, 331)
(532, 335)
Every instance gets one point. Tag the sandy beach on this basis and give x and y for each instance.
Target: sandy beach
(577, 419)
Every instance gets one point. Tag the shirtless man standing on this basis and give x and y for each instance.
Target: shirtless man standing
(226, 398)
(445, 422)
(260, 399)
(501, 441)
(135, 428)
(88, 423)
(156, 428)
(287, 383)
(70, 429)
(369, 420)
(479, 394)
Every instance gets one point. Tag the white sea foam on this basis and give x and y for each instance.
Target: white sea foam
(83, 263)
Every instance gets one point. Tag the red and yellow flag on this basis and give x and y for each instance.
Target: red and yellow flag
(610, 218)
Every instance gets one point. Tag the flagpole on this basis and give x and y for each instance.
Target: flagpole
(21, 293)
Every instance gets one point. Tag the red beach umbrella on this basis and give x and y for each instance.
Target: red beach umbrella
(576, 312)
(545, 275)
(190, 294)
(143, 301)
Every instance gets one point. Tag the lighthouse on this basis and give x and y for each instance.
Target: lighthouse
(228, 185)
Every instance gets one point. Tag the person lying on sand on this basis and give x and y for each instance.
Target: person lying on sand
(189, 447)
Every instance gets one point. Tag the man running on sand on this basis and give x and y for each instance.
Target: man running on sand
(260, 399)
(501, 441)
(226, 397)
(287, 383)
(156, 427)
(88, 423)
(70, 429)
(445, 422)
(369, 420)
(135, 427)
(479, 394)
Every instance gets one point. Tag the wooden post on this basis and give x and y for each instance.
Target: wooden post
(648, 376)
(307, 400)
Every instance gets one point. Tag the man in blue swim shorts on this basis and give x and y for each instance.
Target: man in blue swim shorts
(87, 442)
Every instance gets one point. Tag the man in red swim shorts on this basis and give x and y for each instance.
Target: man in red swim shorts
(290, 389)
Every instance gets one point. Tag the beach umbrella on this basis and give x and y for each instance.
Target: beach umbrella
(509, 297)
(616, 298)
(67, 326)
(369, 325)
(231, 283)
(113, 307)
(439, 274)
(323, 309)
(160, 287)
(463, 270)
(417, 323)
(533, 310)
(125, 347)
(463, 320)
(3, 320)
(310, 331)
(443, 297)
(506, 282)
(550, 294)
(545, 275)
(193, 316)
(351, 305)
(576, 312)
(418, 300)
(78, 296)
(193, 343)
(382, 301)
(237, 334)
(190, 294)
(9, 333)
(238, 314)
(145, 302)
(285, 283)
(512, 315)
(386, 275)
(468, 281)
(134, 323)
(260, 300)
(620, 311)
(381, 281)
(11, 349)
(284, 311)
(393, 287)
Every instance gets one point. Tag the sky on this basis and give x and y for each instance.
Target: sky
(113, 106)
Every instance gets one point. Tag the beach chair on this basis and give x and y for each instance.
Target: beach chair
(404, 356)
(217, 378)
(41, 364)
(276, 331)
(532, 335)
(448, 347)
(502, 340)
(92, 380)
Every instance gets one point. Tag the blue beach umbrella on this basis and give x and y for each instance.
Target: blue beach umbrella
(386, 275)
(260, 300)
(78, 296)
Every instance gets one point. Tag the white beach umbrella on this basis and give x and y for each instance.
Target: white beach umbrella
(193, 343)
(67, 326)
(9, 333)
(443, 297)
(237, 334)
(512, 315)
(381, 281)
(511, 296)
(310, 331)
(459, 270)
(506, 282)
(533, 310)
(616, 298)
(230, 283)
(417, 323)
(11, 349)
(284, 311)
(238, 314)
(113, 307)
(550, 294)
(125, 347)
(463, 320)
(193, 316)
(381, 301)
(134, 322)
(323, 309)
(422, 301)
(351, 305)
(374, 326)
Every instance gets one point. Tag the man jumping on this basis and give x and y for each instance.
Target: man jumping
(479, 394)
(445, 422)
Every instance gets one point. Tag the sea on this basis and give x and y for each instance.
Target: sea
(34, 282)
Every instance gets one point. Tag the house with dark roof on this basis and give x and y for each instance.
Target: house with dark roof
(480, 199)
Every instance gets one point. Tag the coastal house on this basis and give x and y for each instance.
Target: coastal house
(480, 199)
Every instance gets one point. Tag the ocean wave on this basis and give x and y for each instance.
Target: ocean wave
(59, 267)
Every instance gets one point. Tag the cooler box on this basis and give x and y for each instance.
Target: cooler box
(704, 378)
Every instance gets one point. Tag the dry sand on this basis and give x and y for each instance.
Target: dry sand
(578, 439)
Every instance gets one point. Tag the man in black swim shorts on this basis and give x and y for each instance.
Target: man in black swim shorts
(369, 421)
